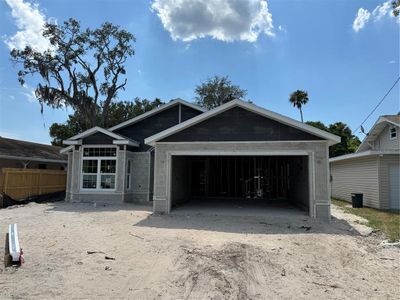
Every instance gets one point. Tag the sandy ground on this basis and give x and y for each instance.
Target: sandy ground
(193, 254)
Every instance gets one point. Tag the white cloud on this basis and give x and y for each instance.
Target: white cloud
(382, 10)
(361, 19)
(392, 61)
(379, 13)
(224, 20)
(29, 20)
(29, 93)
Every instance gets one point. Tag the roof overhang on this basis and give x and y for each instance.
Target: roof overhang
(331, 138)
(363, 154)
(374, 132)
(38, 159)
(155, 111)
(66, 149)
(118, 139)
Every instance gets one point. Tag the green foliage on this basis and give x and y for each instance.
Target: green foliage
(349, 142)
(82, 69)
(396, 8)
(118, 113)
(298, 99)
(386, 221)
(216, 91)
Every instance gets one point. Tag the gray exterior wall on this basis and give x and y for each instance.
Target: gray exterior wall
(317, 151)
(358, 175)
(76, 194)
(157, 123)
(385, 162)
(140, 190)
(383, 141)
(238, 124)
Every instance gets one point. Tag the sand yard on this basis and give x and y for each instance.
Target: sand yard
(192, 254)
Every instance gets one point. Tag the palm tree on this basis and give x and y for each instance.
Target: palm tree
(298, 99)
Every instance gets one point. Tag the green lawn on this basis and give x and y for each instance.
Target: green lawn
(387, 222)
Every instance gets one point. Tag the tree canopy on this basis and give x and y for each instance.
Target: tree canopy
(83, 69)
(216, 91)
(349, 142)
(396, 8)
(118, 113)
(298, 99)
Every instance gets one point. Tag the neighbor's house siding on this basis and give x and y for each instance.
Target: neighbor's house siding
(384, 163)
(356, 176)
(383, 141)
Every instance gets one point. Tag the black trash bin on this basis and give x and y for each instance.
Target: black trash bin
(357, 200)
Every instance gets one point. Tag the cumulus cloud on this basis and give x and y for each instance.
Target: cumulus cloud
(29, 21)
(379, 13)
(382, 10)
(224, 20)
(361, 19)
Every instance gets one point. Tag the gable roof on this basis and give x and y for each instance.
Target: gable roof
(333, 139)
(76, 139)
(377, 128)
(156, 111)
(22, 150)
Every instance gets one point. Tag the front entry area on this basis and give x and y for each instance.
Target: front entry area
(240, 181)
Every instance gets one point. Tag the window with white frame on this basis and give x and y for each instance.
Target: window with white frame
(99, 168)
(128, 174)
(393, 133)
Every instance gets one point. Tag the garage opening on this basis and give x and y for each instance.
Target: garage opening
(240, 179)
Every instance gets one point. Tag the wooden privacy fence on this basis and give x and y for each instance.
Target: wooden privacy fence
(24, 183)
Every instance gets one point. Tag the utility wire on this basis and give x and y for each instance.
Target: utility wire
(379, 103)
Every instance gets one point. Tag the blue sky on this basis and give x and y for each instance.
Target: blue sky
(344, 53)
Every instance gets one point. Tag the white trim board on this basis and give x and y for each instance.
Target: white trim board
(363, 154)
(155, 111)
(331, 138)
(239, 153)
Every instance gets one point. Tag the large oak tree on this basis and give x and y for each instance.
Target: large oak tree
(84, 68)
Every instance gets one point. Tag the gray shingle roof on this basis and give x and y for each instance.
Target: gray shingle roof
(33, 151)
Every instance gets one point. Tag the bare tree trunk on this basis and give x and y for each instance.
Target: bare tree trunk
(301, 114)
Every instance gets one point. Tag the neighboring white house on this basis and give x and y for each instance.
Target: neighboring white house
(373, 169)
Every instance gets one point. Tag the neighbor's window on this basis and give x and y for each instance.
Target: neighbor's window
(99, 168)
(128, 174)
(393, 133)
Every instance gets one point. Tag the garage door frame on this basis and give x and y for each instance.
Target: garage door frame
(310, 156)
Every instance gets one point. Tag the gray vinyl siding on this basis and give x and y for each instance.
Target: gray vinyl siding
(384, 163)
(383, 141)
(356, 176)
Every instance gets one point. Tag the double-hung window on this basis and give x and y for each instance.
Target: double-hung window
(99, 168)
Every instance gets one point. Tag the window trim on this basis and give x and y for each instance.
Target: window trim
(98, 174)
(390, 133)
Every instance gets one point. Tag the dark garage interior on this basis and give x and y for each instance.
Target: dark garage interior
(240, 179)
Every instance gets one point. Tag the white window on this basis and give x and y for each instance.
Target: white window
(393, 133)
(99, 168)
(128, 174)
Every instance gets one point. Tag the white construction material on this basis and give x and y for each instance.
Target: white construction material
(13, 243)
